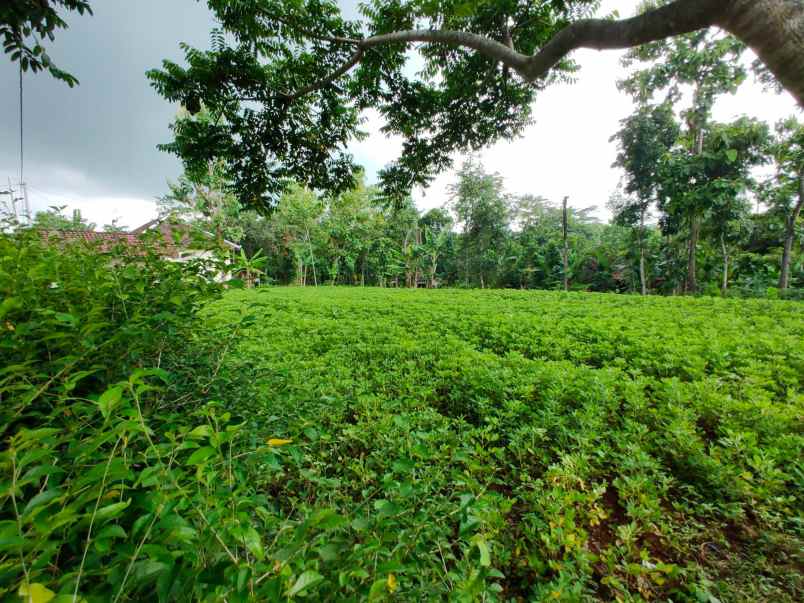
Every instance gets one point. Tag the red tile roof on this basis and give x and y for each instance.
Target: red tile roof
(104, 240)
(171, 236)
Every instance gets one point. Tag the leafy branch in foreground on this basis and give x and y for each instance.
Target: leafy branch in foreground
(24, 25)
(291, 84)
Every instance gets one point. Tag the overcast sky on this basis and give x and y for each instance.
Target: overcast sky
(93, 147)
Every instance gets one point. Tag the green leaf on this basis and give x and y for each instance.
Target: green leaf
(201, 455)
(253, 543)
(109, 399)
(483, 547)
(202, 431)
(327, 519)
(378, 591)
(111, 531)
(305, 581)
(386, 508)
(403, 465)
(731, 155)
(11, 543)
(112, 511)
(40, 499)
(242, 578)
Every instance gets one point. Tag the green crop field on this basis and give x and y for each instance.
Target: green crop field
(507, 445)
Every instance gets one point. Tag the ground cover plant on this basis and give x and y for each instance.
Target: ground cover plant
(506, 445)
(162, 443)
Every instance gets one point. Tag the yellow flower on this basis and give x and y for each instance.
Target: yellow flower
(276, 442)
(392, 584)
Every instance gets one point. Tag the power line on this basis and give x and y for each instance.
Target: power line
(27, 206)
(22, 150)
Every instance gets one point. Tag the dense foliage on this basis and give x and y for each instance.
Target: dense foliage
(269, 128)
(515, 445)
(354, 443)
(107, 492)
(488, 237)
(287, 81)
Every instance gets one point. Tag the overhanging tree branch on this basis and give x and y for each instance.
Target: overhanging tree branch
(676, 18)
(485, 46)
(680, 17)
(328, 79)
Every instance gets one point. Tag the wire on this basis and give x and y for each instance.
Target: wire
(22, 155)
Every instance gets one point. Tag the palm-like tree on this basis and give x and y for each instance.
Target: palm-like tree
(251, 267)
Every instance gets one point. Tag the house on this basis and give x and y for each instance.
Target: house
(174, 240)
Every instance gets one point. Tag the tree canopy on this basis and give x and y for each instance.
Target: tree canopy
(289, 79)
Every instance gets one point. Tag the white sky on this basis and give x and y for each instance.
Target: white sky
(565, 152)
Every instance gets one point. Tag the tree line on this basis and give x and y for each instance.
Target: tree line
(486, 237)
(703, 205)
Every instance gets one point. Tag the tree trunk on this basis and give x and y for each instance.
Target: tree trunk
(789, 235)
(312, 256)
(725, 285)
(642, 276)
(433, 270)
(691, 286)
(774, 29)
(565, 253)
(692, 281)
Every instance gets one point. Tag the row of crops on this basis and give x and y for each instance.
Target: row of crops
(505, 445)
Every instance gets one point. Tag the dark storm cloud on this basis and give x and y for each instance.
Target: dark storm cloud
(99, 138)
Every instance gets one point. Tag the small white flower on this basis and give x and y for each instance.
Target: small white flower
(54, 285)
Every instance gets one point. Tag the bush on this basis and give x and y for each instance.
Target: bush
(118, 483)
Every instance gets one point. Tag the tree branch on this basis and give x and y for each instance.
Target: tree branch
(311, 34)
(485, 46)
(353, 60)
(682, 16)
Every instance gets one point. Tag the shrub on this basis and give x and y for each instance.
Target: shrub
(118, 484)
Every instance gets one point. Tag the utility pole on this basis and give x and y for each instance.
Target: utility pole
(12, 201)
(565, 252)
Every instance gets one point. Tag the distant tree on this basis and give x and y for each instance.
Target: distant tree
(708, 64)
(24, 25)
(436, 227)
(785, 192)
(643, 140)
(298, 218)
(250, 266)
(55, 219)
(727, 225)
(529, 210)
(206, 200)
(709, 185)
(481, 207)
(347, 225)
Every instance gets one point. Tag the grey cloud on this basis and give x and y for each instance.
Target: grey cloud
(100, 138)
